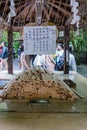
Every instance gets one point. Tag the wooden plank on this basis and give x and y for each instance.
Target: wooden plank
(21, 13)
(5, 7)
(65, 12)
(64, 4)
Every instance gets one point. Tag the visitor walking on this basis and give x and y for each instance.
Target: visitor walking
(24, 64)
(4, 56)
(72, 62)
(59, 58)
(19, 55)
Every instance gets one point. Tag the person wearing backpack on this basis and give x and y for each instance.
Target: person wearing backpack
(59, 58)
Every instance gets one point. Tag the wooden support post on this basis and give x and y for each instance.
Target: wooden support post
(66, 50)
(10, 50)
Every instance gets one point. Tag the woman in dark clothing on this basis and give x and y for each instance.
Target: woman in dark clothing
(4, 56)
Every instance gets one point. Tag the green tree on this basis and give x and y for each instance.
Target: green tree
(15, 36)
(4, 37)
(79, 42)
(15, 42)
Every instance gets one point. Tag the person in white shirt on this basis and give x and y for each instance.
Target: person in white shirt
(72, 62)
(39, 60)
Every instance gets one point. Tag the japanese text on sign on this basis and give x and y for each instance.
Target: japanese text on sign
(39, 40)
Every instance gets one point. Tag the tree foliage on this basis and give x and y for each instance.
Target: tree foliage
(79, 42)
(15, 42)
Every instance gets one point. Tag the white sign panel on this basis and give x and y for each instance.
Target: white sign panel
(39, 40)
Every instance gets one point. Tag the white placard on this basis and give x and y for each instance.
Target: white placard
(61, 34)
(39, 40)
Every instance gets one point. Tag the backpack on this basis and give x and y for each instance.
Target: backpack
(4, 53)
(60, 64)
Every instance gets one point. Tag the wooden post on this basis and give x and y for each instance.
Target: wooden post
(66, 50)
(10, 50)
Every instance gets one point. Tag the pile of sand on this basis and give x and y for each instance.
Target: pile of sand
(37, 83)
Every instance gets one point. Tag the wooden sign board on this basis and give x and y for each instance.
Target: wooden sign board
(39, 40)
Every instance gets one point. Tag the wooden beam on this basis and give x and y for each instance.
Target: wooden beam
(17, 29)
(21, 13)
(64, 4)
(54, 13)
(5, 7)
(0, 2)
(22, 6)
(83, 8)
(46, 13)
(66, 13)
(81, 1)
(30, 11)
(50, 9)
(4, 1)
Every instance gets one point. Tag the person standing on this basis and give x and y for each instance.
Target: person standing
(72, 62)
(19, 55)
(39, 61)
(4, 56)
(24, 64)
(59, 58)
(50, 62)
